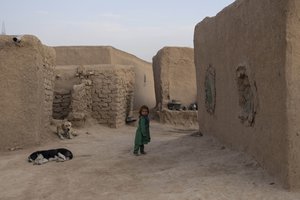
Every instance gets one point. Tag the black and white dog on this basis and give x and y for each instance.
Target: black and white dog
(41, 157)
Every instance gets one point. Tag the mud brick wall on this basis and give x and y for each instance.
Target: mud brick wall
(99, 55)
(174, 76)
(81, 105)
(106, 93)
(61, 104)
(112, 95)
(82, 97)
(25, 98)
(248, 79)
(49, 77)
(187, 118)
(175, 79)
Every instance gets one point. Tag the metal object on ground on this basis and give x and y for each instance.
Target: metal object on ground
(174, 105)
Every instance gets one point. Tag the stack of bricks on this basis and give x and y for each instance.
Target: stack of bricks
(61, 104)
(106, 93)
(79, 98)
(81, 104)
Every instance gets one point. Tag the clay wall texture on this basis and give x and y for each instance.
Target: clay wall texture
(187, 118)
(61, 104)
(91, 55)
(104, 92)
(175, 76)
(247, 60)
(49, 78)
(65, 79)
(113, 94)
(82, 55)
(26, 84)
(144, 81)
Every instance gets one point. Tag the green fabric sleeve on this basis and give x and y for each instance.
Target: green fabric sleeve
(143, 126)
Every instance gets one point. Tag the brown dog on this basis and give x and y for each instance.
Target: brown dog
(65, 131)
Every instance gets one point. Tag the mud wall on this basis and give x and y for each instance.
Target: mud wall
(248, 86)
(186, 119)
(65, 78)
(82, 55)
(49, 82)
(175, 76)
(144, 81)
(26, 84)
(61, 104)
(112, 94)
(293, 91)
(89, 55)
(104, 92)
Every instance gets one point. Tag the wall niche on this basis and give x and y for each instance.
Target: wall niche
(210, 89)
(247, 97)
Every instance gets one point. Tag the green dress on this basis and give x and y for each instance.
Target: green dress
(142, 135)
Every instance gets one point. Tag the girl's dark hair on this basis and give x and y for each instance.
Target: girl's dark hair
(143, 107)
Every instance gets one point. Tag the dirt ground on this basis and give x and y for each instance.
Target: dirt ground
(179, 165)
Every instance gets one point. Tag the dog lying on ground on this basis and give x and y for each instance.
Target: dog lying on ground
(65, 131)
(59, 155)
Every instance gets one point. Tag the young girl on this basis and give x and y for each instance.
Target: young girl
(142, 135)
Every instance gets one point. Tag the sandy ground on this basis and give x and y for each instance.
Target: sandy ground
(178, 165)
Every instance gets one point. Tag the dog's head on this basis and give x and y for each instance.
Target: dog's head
(66, 126)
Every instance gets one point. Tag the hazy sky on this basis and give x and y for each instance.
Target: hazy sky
(138, 27)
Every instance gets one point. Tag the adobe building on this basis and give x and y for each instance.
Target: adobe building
(26, 84)
(175, 81)
(247, 63)
(98, 55)
(103, 92)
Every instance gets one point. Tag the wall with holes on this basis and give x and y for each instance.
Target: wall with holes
(248, 82)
